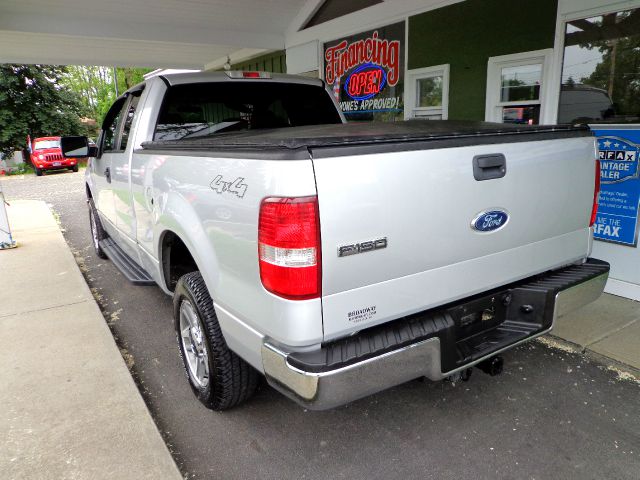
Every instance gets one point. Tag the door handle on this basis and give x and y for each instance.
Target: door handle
(107, 174)
(488, 167)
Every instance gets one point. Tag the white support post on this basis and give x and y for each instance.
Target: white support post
(6, 241)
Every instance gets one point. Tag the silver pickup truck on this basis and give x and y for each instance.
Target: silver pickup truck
(336, 259)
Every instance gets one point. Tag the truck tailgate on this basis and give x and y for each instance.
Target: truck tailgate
(423, 201)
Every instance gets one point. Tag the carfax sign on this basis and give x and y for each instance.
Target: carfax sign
(619, 152)
(366, 72)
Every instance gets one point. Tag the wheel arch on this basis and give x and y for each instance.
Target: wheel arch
(176, 258)
(179, 224)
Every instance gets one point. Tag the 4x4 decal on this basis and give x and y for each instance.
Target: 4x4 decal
(236, 187)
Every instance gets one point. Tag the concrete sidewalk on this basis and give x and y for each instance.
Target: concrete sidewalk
(70, 408)
(608, 327)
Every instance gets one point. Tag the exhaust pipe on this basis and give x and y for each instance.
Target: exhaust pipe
(492, 366)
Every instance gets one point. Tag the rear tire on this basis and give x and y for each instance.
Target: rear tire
(97, 232)
(38, 172)
(75, 168)
(218, 377)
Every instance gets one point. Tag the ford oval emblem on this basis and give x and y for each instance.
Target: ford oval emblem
(490, 221)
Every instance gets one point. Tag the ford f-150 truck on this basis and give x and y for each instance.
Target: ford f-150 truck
(336, 259)
(46, 155)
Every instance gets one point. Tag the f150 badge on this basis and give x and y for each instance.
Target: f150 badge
(368, 246)
(490, 221)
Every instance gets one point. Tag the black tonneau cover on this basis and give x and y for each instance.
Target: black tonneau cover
(375, 136)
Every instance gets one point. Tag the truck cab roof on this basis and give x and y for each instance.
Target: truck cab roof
(235, 76)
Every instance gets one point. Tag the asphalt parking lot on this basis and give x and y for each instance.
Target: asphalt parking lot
(552, 414)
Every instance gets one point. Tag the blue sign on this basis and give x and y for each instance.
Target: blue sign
(490, 221)
(618, 152)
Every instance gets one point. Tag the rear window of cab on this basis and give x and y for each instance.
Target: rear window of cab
(198, 110)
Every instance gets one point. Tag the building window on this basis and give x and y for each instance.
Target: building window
(427, 96)
(516, 87)
(601, 69)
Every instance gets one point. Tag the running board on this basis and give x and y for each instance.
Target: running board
(127, 266)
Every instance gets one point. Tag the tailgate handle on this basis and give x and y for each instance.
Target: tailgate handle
(488, 167)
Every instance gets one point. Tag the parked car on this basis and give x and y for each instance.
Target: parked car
(584, 104)
(46, 155)
(337, 260)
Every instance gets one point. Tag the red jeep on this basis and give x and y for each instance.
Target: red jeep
(46, 155)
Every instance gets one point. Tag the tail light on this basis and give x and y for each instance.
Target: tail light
(289, 247)
(596, 194)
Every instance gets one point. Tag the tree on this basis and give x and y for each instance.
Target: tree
(33, 102)
(129, 77)
(618, 72)
(95, 86)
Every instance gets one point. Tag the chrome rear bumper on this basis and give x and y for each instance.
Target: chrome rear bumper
(328, 389)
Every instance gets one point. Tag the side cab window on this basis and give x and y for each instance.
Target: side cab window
(130, 111)
(109, 135)
(117, 123)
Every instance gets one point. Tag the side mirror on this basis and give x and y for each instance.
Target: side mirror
(77, 147)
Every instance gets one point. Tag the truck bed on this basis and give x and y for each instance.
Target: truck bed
(411, 135)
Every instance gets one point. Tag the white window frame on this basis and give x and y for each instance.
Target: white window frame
(411, 91)
(493, 107)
